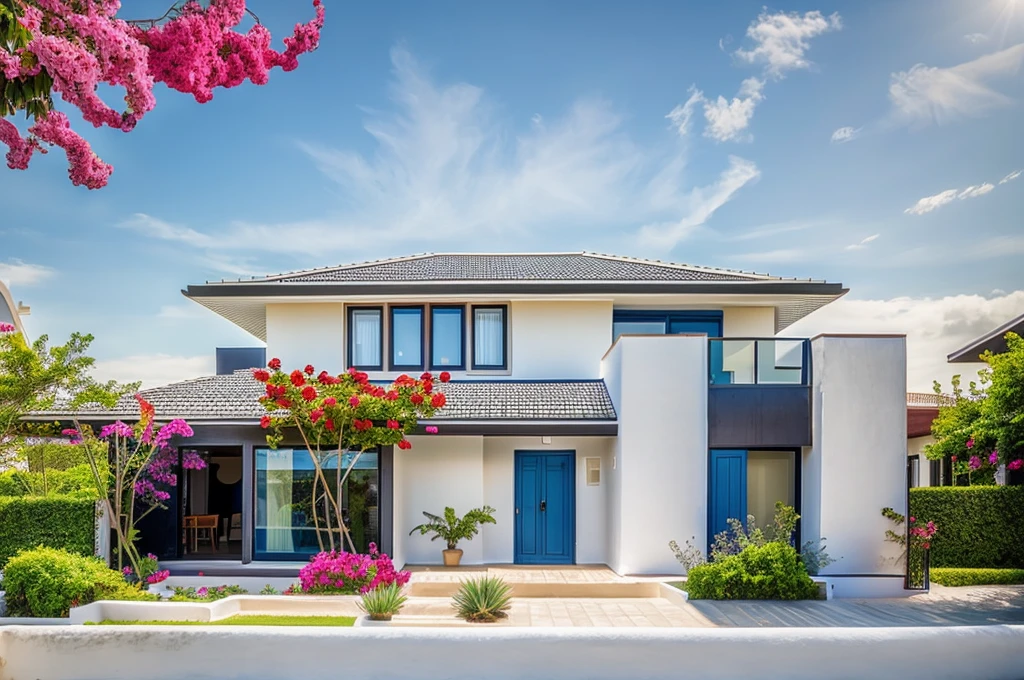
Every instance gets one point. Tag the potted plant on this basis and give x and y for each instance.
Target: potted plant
(383, 602)
(451, 529)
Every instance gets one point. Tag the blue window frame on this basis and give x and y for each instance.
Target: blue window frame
(405, 337)
(448, 337)
(366, 338)
(666, 322)
(490, 337)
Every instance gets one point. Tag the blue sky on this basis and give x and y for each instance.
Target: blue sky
(872, 142)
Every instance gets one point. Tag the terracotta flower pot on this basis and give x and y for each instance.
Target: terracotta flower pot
(452, 557)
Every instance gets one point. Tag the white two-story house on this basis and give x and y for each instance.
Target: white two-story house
(603, 405)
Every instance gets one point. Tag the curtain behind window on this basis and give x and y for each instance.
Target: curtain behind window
(366, 337)
(489, 334)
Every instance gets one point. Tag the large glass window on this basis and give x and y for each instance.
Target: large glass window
(285, 526)
(365, 339)
(489, 338)
(771, 477)
(665, 322)
(447, 333)
(406, 337)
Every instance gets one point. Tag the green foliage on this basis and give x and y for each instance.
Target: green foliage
(76, 482)
(1003, 410)
(47, 456)
(53, 522)
(45, 582)
(32, 94)
(451, 529)
(981, 526)
(951, 576)
(772, 571)
(483, 600)
(383, 602)
(269, 590)
(205, 593)
(956, 422)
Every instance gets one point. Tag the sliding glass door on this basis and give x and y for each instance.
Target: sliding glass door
(285, 525)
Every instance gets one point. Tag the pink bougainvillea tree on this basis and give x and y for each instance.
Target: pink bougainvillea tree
(333, 415)
(71, 47)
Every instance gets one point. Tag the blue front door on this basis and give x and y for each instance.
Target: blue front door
(545, 507)
(727, 490)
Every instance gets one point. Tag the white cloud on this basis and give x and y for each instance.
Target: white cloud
(927, 94)
(845, 134)
(863, 243)
(728, 119)
(701, 203)
(1012, 176)
(930, 203)
(781, 40)
(447, 172)
(154, 369)
(683, 113)
(18, 273)
(976, 38)
(935, 327)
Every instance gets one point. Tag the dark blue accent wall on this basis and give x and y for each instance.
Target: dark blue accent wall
(231, 359)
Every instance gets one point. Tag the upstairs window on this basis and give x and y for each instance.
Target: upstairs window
(665, 322)
(365, 338)
(447, 337)
(489, 351)
(406, 338)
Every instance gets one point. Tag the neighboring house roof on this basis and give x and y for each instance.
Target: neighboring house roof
(994, 340)
(454, 274)
(234, 397)
(922, 409)
(9, 310)
(928, 399)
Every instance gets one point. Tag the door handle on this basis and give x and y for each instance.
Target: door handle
(543, 506)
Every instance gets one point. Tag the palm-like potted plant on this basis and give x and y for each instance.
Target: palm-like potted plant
(451, 529)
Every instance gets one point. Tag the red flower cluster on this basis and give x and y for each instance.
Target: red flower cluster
(274, 364)
(297, 378)
(309, 393)
(438, 400)
(309, 369)
(261, 375)
(265, 422)
(393, 425)
(362, 425)
(405, 445)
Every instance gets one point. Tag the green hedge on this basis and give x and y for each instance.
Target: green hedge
(772, 571)
(53, 521)
(978, 526)
(46, 583)
(951, 576)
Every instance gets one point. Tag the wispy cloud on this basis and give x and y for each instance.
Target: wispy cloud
(863, 243)
(780, 42)
(18, 273)
(928, 94)
(776, 229)
(936, 201)
(444, 170)
(976, 38)
(845, 134)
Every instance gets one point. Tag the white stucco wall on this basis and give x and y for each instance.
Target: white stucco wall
(307, 333)
(659, 487)
(560, 339)
(748, 322)
(436, 472)
(591, 501)
(858, 460)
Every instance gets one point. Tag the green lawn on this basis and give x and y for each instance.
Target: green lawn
(248, 620)
(681, 585)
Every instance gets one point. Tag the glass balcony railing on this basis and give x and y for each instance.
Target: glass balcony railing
(759, 361)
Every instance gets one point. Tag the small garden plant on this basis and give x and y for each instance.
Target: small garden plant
(206, 593)
(451, 529)
(483, 600)
(380, 604)
(342, 573)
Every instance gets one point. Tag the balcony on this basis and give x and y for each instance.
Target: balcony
(759, 393)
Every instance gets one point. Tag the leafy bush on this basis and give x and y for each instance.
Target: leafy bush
(46, 582)
(451, 529)
(342, 573)
(981, 526)
(269, 590)
(951, 576)
(384, 602)
(772, 571)
(483, 600)
(205, 593)
(52, 522)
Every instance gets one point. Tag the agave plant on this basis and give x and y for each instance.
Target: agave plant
(483, 600)
(383, 602)
(452, 529)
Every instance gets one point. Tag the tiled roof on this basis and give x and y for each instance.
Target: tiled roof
(514, 267)
(928, 399)
(234, 397)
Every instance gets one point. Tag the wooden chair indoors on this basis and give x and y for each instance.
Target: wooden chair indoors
(202, 527)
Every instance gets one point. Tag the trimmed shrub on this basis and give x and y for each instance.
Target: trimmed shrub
(46, 583)
(759, 572)
(979, 526)
(483, 600)
(53, 522)
(951, 576)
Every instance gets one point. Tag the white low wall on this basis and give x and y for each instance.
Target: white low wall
(101, 653)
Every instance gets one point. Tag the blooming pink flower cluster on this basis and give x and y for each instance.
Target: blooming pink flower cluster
(5, 327)
(82, 44)
(158, 576)
(349, 573)
(922, 535)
